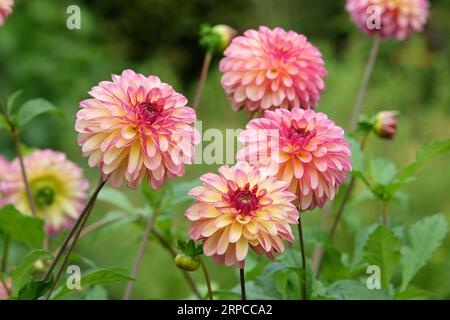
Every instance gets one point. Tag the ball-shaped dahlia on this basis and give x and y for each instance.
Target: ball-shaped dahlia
(270, 69)
(137, 127)
(4, 165)
(5, 10)
(57, 184)
(302, 147)
(389, 18)
(238, 209)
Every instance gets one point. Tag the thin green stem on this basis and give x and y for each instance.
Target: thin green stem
(74, 232)
(201, 83)
(5, 253)
(303, 282)
(242, 279)
(357, 108)
(384, 213)
(207, 279)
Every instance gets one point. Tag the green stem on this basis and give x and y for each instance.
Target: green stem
(201, 83)
(5, 253)
(303, 282)
(207, 279)
(74, 234)
(242, 278)
(384, 213)
(357, 108)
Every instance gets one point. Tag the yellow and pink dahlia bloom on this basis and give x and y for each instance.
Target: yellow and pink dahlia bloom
(270, 69)
(239, 209)
(301, 147)
(137, 127)
(5, 10)
(4, 166)
(57, 184)
(398, 18)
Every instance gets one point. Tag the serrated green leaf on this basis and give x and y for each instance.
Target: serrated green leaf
(360, 241)
(382, 171)
(354, 290)
(382, 249)
(27, 229)
(21, 274)
(33, 108)
(357, 156)
(425, 236)
(97, 277)
(116, 198)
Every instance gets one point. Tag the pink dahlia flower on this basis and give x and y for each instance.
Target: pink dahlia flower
(4, 165)
(302, 147)
(5, 10)
(238, 209)
(137, 127)
(270, 69)
(58, 186)
(389, 18)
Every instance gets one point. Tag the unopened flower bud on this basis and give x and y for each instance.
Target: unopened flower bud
(187, 263)
(216, 39)
(386, 124)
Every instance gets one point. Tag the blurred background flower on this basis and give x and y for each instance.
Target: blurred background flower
(57, 184)
(5, 10)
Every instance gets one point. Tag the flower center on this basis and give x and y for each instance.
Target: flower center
(244, 200)
(149, 112)
(44, 193)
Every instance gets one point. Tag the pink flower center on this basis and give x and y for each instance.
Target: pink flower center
(149, 112)
(244, 200)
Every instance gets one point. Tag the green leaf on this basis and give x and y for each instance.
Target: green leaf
(425, 153)
(97, 277)
(33, 108)
(360, 241)
(354, 290)
(34, 289)
(21, 274)
(11, 100)
(382, 249)
(382, 171)
(4, 124)
(117, 199)
(425, 237)
(357, 156)
(29, 230)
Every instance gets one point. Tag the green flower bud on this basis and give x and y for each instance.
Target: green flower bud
(187, 263)
(216, 39)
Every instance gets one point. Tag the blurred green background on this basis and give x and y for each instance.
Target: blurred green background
(39, 55)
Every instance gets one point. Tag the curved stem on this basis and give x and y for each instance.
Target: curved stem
(73, 231)
(303, 282)
(201, 83)
(207, 279)
(16, 140)
(172, 252)
(357, 108)
(140, 254)
(242, 278)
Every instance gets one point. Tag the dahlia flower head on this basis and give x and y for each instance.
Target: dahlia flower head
(137, 127)
(398, 18)
(4, 165)
(301, 147)
(270, 69)
(5, 10)
(58, 187)
(242, 208)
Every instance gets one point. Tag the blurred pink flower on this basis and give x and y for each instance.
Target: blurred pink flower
(397, 18)
(57, 184)
(238, 209)
(137, 127)
(5, 10)
(269, 69)
(301, 147)
(4, 165)
(4, 291)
